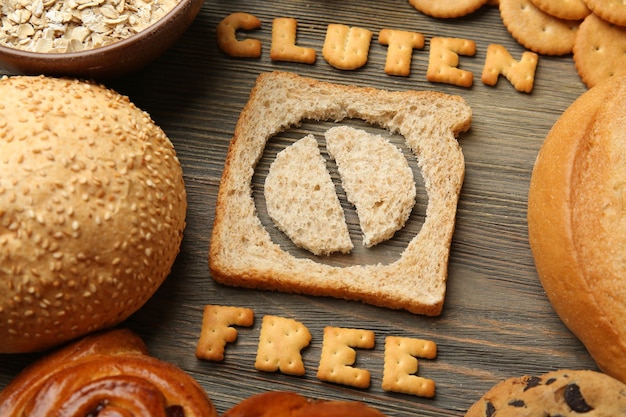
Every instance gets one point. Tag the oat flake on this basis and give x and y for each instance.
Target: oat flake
(57, 26)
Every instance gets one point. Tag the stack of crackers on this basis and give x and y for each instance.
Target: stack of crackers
(593, 31)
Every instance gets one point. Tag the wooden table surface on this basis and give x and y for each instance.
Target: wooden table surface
(496, 321)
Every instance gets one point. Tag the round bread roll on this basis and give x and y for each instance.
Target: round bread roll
(577, 221)
(291, 404)
(92, 210)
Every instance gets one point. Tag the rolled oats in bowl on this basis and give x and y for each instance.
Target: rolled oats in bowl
(59, 26)
(89, 38)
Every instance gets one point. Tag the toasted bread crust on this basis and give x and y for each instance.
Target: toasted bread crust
(241, 251)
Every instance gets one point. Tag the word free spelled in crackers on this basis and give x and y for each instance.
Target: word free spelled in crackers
(281, 341)
(347, 48)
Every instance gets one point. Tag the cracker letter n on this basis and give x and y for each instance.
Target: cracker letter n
(444, 59)
(216, 330)
(520, 73)
(227, 36)
(280, 343)
(401, 366)
(284, 46)
(400, 49)
(338, 356)
(346, 47)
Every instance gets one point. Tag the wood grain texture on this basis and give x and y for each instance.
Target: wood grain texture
(496, 321)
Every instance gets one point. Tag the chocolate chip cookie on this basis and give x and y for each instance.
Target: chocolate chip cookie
(563, 393)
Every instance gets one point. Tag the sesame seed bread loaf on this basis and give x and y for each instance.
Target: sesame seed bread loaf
(92, 210)
(242, 252)
(577, 221)
(301, 200)
(377, 179)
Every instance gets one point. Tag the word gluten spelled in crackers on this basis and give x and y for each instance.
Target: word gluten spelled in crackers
(347, 48)
(281, 341)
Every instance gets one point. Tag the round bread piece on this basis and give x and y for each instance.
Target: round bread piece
(563, 393)
(92, 210)
(577, 221)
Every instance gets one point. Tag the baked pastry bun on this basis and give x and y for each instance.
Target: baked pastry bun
(577, 221)
(291, 404)
(107, 373)
(92, 210)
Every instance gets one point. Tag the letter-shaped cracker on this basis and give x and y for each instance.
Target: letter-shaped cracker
(520, 73)
(444, 59)
(346, 47)
(401, 44)
(280, 343)
(338, 356)
(284, 46)
(401, 366)
(216, 330)
(227, 36)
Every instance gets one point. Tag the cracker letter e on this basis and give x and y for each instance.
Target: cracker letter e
(216, 330)
(280, 343)
(338, 356)
(444, 59)
(401, 366)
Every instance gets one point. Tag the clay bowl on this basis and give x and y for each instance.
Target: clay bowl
(110, 61)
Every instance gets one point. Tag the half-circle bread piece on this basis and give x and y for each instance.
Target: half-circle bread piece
(377, 179)
(302, 202)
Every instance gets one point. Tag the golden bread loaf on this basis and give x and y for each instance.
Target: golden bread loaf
(577, 221)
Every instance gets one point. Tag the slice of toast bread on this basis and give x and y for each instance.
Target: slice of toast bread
(377, 179)
(301, 200)
(241, 251)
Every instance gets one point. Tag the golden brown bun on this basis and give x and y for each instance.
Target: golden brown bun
(577, 221)
(290, 404)
(108, 371)
(92, 210)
